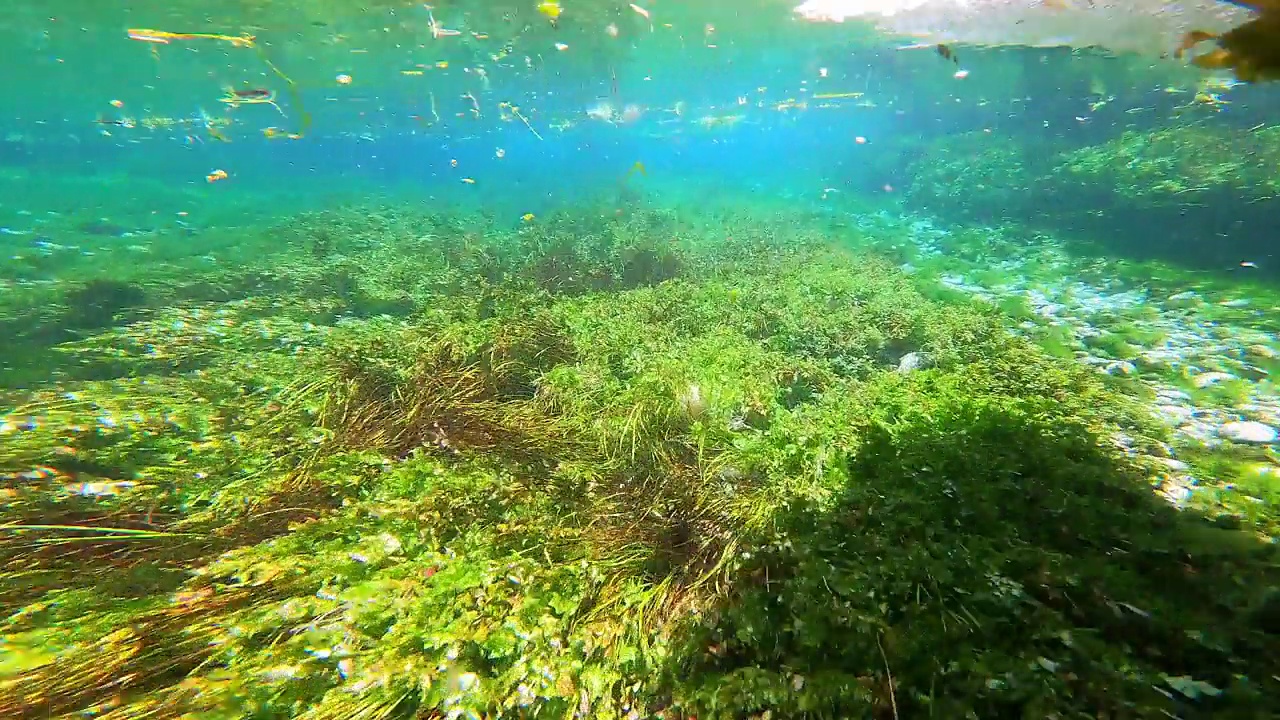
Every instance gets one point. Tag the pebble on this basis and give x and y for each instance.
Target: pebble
(1174, 414)
(1202, 433)
(1261, 351)
(1249, 432)
(1204, 380)
(1203, 350)
(1122, 367)
(1176, 494)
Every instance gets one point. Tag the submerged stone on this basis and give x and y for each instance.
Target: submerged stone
(1249, 432)
(1174, 414)
(1204, 380)
(914, 361)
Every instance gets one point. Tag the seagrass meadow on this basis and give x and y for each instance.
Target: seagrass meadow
(676, 462)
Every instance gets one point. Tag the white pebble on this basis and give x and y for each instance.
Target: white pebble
(1204, 380)
(1249, 432)
(1174, 414)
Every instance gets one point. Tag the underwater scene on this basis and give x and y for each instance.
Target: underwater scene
(756, 359)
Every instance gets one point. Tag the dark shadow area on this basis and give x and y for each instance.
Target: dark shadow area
(990, 564)
(1213, 234)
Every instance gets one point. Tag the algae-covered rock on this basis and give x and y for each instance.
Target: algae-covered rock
(1176, 165)
(1208, 192)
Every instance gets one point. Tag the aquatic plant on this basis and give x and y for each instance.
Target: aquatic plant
(98, 303)
(1195, 181)
(704, 489)
(1179, 162)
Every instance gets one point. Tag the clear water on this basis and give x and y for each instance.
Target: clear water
(665, 360)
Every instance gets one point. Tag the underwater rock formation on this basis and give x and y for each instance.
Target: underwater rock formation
(1211, 191)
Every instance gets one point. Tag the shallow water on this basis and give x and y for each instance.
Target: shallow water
(655, 362)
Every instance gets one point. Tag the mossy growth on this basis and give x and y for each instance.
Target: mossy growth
(1229, 393)
(1018, 308)
(1136, 334)
(1241, 483)
(1057, 340)
(1179, 162)
(704, 491)
(100, 303)
(1113, 345)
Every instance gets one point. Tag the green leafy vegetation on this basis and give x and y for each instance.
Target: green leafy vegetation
(406, 465)
(1208, 188)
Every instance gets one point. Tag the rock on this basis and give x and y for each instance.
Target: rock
(1172, 464)
(1157, 360)
(1176, 494)
(1204, 380)
(1186, 299)
(914, 361)
(1121, 367)
(1201, 432)
(1261, 352)
(1172, 394)
(1174, 414)
(1249, 432)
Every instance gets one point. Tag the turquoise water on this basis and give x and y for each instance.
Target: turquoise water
(590, 359)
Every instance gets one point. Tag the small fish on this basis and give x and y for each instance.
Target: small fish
(252, 94)
(528, 217)
(946, 53)
(216, 175)
(124, 123)
(469, 181)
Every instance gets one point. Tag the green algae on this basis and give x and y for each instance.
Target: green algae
(408, 465)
